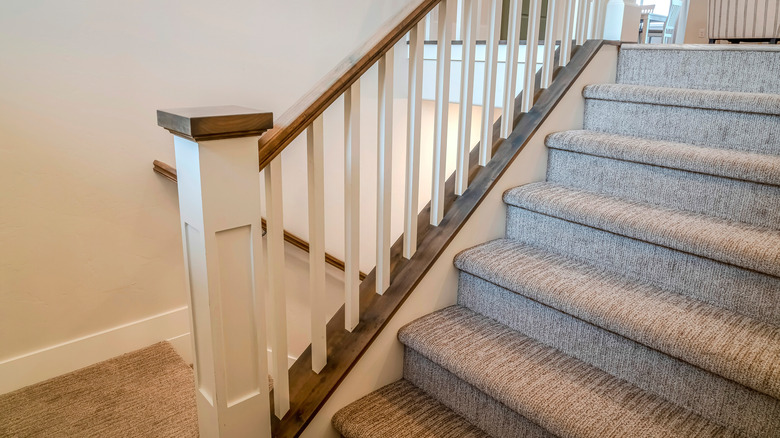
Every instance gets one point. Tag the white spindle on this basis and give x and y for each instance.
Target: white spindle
(466, 96)
(548, 61)
(278, 299)
(590, 24)
(568, 31)
(414, 119)
(459, 20)
(316, 179)
(352, 206)
(582, 21)
(428, 26)
(510, 76)
(384, 169)
(489, 89)
(441, 113)
(598, 14)
(531, 49)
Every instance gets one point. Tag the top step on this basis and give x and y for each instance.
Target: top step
(725, 67)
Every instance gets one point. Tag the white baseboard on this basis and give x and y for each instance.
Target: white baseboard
(172, 326)
(37, 366)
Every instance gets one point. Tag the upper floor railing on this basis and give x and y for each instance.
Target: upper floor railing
(236, 278)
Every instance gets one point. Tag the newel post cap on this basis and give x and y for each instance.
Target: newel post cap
(215, 122)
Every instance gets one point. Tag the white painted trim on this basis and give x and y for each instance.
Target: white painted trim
(46, 363)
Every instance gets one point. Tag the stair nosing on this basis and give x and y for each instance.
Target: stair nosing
(711, 100)
(467, 262)
(554, 141)
(698, 247)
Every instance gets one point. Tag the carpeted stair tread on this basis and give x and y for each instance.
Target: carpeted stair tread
(720, 341)
(745, 166)
(751, 247)
(715, 398)
(701, 278)
(560, 393)
(753, 103)
(729, 67)
(481, 410)
(401, 410)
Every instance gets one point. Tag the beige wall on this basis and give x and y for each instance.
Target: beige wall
(89, 235)
(697, 21)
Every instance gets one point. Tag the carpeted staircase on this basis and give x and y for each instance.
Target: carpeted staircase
(637, 291)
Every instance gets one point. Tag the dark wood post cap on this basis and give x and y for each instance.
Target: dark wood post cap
(215, 122)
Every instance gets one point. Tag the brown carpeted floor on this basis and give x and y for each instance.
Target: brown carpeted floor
(146, 393)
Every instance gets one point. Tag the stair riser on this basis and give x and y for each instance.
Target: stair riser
(711, 396)
(472, 404)
(722, 197)
(725, 70)
(712, 282)
(712, 128)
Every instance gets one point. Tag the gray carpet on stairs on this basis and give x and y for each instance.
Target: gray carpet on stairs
(747, 132)
(738, 244)
(467, 401)
(703, 67)
(744, 291)
(715, 339)
(404, 411)
(564, 395)
(637, 292)
(709, 395)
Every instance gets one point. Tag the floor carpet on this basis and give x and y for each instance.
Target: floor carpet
(146, 393)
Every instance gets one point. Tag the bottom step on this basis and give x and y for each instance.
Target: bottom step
(401, 410)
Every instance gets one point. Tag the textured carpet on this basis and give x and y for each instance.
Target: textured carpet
(146, 393)
(637, 291)
(402, 410)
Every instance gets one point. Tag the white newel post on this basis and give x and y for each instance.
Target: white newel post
(219, 202)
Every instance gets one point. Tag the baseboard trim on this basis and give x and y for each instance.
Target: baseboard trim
(37, 366)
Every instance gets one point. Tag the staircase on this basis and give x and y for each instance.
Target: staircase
(636, 290)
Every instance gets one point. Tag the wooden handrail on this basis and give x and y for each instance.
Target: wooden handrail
(169, 172)
(295, 120)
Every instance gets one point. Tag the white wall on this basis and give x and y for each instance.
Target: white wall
(89, 235)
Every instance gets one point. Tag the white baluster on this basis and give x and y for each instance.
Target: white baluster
(278, 298)
(466, 96)
(428, 26)
(590, 30)
(352, 207)
(582, 21)
(384, 169)
(489, 86)
(219, 204)
(568, 30)
(440, 118)
(531, 50)
(413, 125)
(510, 76)
(548, 61)
(315, 163)
(598, 18)
(459, 20)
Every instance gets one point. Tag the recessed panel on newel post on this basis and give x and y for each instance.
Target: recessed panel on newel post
(219, 202)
